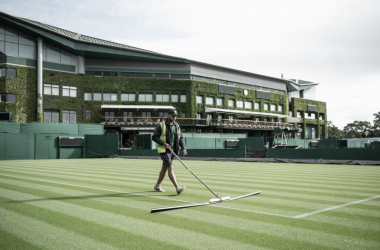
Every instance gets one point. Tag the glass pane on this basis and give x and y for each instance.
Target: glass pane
(11, 72)
(149, 97)
(65, 57)
(220, 102)
(73, 117)
(2, 37)
(142, 97)
(11, 98)
(2, 29)
(11, 31)
(26, 40)
(2, 45)
(159, 98)
(183, 98)
(124, 97)
(55, 89)
(65, 116)
(27, 51)
(65, 91)
(114, 97)
(11, 49)
(106, 97)
(2, 72)
(174, 98)
(47, 89)
(47, 116)
(257, 105)
(12, 39)
(87, 96)
(53, 56)
(165, 98)
(54, 117)
(132, 97)
(97, 96)
(73, 92)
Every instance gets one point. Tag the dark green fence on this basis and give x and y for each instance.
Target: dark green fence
(97, 146)
(217, 153)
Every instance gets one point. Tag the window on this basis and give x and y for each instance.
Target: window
(183, 98)
(248, 105)
(51, 116)
(210, 100)
(51, 89)
(109, 115)
(230, 117)
(69, 116)
(110, 73)
(127, 114)
(88, 114)
(272, 120)
(231, 103)
(69, 91)
(146, 114)
(281, 120)
(279, 108)
(145, 97)
(321, 117)
(265, 119)
(199, 115)
(97, 96)
(199, 99)
(87, 96)
(162, 97)
(174, 98)
(128, 97)
(266, 106)
(257, 105)
(110, 97)
(240, 104)
(257, 119)
(163, 114)
(8, 98)
(299, 115)
(220, 117)
(7, 72)
(183, 115)
(219, 101)
(273, 107)
(291, 113)
(209, 116)
(301, 93)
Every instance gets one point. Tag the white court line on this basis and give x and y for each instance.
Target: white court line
(335, 207)
(158, 197)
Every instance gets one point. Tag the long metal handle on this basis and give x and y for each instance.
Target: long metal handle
(195, 174)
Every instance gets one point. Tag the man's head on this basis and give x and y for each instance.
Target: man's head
(172, 115)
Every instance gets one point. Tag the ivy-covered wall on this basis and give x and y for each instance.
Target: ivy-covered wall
(299, 104)
(24, 85)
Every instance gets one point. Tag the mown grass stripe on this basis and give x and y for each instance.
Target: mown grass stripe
(170, 234)
(44, 235)
(10, 241)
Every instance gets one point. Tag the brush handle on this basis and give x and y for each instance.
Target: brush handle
(195, 174)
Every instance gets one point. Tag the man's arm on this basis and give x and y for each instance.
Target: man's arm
(156, 135)
(182, 144)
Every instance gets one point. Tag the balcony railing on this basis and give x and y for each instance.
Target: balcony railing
(223, 123)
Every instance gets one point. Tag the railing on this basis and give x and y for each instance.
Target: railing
(222, 123)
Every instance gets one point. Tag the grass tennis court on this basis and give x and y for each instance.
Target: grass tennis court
(106, 203)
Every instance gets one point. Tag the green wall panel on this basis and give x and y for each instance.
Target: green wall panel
(101, 145)
(16, 146)
(9, 127)
(2, 146)
(54, 128)
(90, 129)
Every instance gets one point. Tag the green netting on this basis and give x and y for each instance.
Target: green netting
(144, 141)
(216, 153)
(71, 152)
(16, 146)
(90, 129)
(101, 145)
(46, 128)
(9, 127)
(328, 144)
(252, 143)
(356, 144)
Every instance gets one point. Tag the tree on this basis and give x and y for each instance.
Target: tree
(376, 125)
(333, 131)
(358, 129)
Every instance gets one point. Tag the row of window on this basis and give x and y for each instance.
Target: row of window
(131, 97)
(111, 114)
(308, 115)
(231, 117)
(4, 72)
(68, 116)
(52, 89)
(239, 103)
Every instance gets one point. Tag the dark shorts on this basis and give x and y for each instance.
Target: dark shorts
(167, 159)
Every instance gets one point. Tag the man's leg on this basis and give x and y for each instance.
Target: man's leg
(162, 174)
(172, 176)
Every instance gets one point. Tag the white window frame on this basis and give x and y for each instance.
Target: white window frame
(174, 98)
(69, 91)
(266, 106)
(239, 104)
(248, 105)
(162, 97)
(199, 99)
(51, 89)
(145, 97)
(183, 98)
(273, 107)
(280, 108)
(128, 97)
(210, 100)
(219, 101)
(231, 103)
(257, 105)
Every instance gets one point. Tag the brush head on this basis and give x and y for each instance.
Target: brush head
(227, 198)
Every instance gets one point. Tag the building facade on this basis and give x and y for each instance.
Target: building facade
(48, 74)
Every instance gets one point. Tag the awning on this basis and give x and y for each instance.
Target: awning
(137, 107)
(232, 111)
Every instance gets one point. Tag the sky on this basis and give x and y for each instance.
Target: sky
(334, 43)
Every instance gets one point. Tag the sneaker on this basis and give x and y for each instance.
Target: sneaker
(158, 188)
(180, 189)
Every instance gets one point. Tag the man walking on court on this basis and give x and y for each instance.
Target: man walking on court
(168, 136)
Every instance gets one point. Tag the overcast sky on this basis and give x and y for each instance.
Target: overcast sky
(334, 43)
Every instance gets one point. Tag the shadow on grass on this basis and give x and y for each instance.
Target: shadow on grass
(121, 195)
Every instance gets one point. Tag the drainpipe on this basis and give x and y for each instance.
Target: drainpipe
(39, 81)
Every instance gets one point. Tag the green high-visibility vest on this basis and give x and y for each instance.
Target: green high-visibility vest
(162, 149)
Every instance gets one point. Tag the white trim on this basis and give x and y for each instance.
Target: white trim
(216, 110)
(136, 107)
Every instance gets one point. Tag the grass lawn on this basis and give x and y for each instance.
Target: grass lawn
(106, 204)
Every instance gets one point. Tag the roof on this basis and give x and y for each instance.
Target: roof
(137, 107)
(231, 111)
